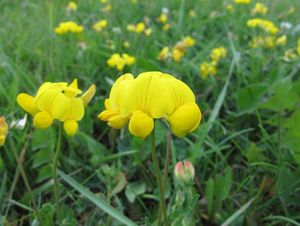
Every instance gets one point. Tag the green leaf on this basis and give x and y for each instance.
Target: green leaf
(209, 193)
(44, 173)
(248, 99)
(254, 153)
(98, 201)
(134, 189)
(227, 182)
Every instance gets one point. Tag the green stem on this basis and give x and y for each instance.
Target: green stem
(25, 179)
(162, 204)
(54, 169)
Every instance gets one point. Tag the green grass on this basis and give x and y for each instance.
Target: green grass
(246, 151)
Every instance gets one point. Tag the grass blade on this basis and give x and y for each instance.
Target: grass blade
(98, 201)
(234, 216)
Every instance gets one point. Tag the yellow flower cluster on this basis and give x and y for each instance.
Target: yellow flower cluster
(57, 101)
(68, 27)
(163, 19)
(260, 9)
(100, 25)
(210, 68)
(151, 95)
(266, 25)
(3, 130)
(242, 1)
(178, 50)
(119, 62)
(268, 41)
(139, 28)
(72, 6)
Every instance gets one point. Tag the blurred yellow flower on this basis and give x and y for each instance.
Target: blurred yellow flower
(140, 27)
(68, 27)
(166, 27)
(103, 1)
(57, 101)
(260, 9)
(100, 25)
(229, 8)
(189, 41)
(242, 1)
(263, 41)
(298, 47)
(192, 13)
(126, 44)
(3, 130)
(266, 25)
(119, 62)
(72, 6)
(107, 8)
(177, 54)
(148, 32)
(281, 40)
(217, 54)
(164, 54)
(207, 68)
(163, 18)
(152, 95)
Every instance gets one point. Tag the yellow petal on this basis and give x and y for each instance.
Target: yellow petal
(88, 95)
(185, 119)
(42, 120)
(140, 124)
(3, 130)
(45, 99)
(74, 109)
(27, 103)
(117, 122)
(59, 105)
(71, 127)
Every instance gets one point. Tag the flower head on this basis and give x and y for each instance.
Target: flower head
(3, 130)
(100, 25)
(260, 9)
(57, 101)
(152, 95)
(68, 27)
(119, 62)
(184, 172)
(72, 6)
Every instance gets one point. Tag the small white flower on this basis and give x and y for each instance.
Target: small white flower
(286, 25)
(19, 123)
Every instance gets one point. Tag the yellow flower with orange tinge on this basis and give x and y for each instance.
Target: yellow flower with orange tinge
(57, 101)
(72, 6)
(260, 8)
(68, 27)
(3, 130)
(151, 95)
(100, 25)
(245, 2)
(120, 61)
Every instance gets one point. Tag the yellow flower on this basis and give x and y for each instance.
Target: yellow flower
(281, 40)
(107, 8)
(192, 13)
(242, 1)
(72, 6)
(68, 27)
(290, 55)
(217, 54)
(103, 1)
(166, 27)
(112, 113)
(152, 95)
(164, 54)
(229, 8)
(177, 54)
(100, 25)
(163, 18)
(140, 27)
(298, 47)
(57, 101)
(208, 69)
(119, 62)
(3, 130)
(189, 41)
(148, 32)
(266, 25)
(126, 44)
(261, 41)
(260, 9)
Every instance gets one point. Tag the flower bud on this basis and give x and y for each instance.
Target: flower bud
(184, 172)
